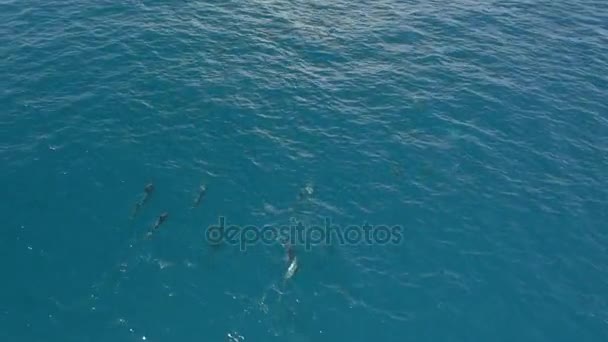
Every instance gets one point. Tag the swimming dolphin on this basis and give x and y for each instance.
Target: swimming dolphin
(292, 261)
(306, 192)
(291, 253)
(292, 269)
(159, 221)
(162, 218)
(201, 193)
(148, 190)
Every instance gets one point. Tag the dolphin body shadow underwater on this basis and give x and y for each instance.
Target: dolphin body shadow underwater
(148, 191)
(202, 190)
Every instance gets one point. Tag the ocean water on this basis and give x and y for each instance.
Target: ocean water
(478, 127)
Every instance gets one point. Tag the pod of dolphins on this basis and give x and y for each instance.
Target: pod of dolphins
(292, 260)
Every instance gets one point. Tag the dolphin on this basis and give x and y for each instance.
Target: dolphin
(292, 269)
(291, 253)
(292, 261)
(148, 190)
(162, 218)
(202, 190)
(306, 192)
(159, 221)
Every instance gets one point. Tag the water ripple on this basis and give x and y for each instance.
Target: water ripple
(479, 126)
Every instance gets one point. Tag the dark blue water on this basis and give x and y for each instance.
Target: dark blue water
(479, 127)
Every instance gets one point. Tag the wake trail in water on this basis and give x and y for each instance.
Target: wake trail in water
(271, 302)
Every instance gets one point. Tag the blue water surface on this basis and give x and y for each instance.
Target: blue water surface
(479, 127)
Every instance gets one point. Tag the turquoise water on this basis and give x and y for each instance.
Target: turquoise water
(479, 127)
